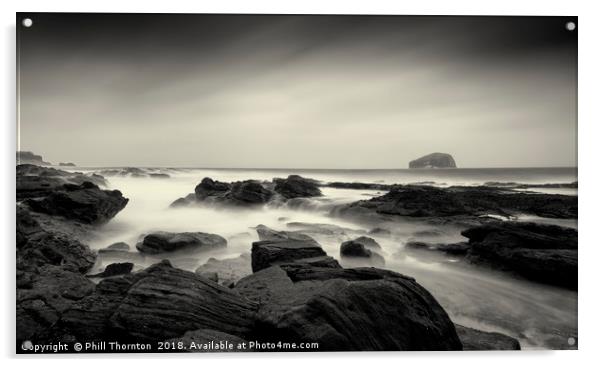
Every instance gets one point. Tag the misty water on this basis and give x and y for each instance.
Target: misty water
(540, 316)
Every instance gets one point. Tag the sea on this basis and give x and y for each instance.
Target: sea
(538, 315)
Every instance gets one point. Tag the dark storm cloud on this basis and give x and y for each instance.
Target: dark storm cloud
(297, 91)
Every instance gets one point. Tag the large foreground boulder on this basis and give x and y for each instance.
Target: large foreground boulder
(434, 160)
(295, 186)
(544, 253)
(160, 242)
(359, 309)
(154, 305)
(84, 203)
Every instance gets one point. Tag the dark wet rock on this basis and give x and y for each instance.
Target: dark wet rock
(84, 203)
(160, 242)
(279, 247)
(355, 249)
(462, 202)
(43, 294)
(457, 249)
(473, 339)
(434, 160)
(295, 186)
(333, 306)
(267, 253)
(228, 271)
(156, 304)
(37, 247)
(367, 242)
(545, 253)
(158, 175)
(115, 269)
(35, 181)
(207, 340)
(31, 158)
(249, 192)
(208, 187)
(66, 164)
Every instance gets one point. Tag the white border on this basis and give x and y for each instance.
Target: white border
(590, 164)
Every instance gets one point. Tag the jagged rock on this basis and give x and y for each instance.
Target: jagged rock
(30, 158)
(295, 186)
(37, 247)
(473, 339)
(48, 292)
(159, 242)
(115, 269)
(333, 306)
(248, 192)
(434, 160)
(156, 304)
(208, 187)
(85, 203)
(34, 181)
(545, 253)
(279, 247)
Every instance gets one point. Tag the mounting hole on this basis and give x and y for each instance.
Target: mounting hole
(570, 26)
(571, 341)
(27, 22)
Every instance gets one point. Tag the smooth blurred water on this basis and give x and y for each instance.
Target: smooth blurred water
(539, 316)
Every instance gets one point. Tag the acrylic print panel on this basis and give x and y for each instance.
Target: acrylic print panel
(247, 183)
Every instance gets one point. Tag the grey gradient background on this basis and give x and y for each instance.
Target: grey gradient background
(260, 91)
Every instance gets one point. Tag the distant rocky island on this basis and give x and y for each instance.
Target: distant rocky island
(434, 160)
(31, 158)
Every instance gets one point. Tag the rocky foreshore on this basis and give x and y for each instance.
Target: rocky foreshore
(461, 203)
(287, 290)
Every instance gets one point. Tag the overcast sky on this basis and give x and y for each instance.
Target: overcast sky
(297, 91)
